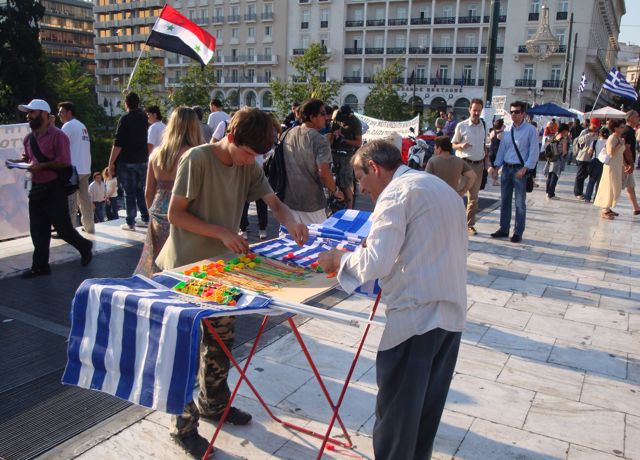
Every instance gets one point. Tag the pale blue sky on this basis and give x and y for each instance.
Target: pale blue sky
(630, 25)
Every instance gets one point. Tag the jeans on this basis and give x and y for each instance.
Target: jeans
(581, 175)
(262, 209)
(112, 208)
(133, 177)
(552, 181)
(595, 173)
(99, 211)
(508, 183)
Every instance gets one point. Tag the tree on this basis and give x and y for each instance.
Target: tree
(144, 82)
(383, 101)
(22, 63)
(308, 82)
(195, 86)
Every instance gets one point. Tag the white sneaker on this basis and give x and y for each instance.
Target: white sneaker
(128, 227)
(142, 224)
(263, 234)
(243, 235)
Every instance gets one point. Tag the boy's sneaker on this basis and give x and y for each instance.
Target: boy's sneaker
(131, 228)
(243, 235)
(194, 444)
(263, 234)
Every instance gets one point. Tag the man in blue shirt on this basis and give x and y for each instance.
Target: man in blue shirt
(521, 137)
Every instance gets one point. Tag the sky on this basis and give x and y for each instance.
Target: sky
(630, 25)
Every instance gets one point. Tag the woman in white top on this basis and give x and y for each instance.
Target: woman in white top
(111, 204)
(98, 194)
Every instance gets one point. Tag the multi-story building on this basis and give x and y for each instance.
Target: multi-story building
(66, 31)
(629, 62)
(250, 48)
(443, 44)
(121, 29)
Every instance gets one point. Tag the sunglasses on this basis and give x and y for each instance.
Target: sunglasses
(516, 112)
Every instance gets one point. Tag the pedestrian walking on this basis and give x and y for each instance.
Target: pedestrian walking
(611, 182)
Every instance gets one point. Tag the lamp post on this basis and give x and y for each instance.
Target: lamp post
(534, 93)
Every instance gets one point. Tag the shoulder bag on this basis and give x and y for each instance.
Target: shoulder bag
(530, 172)
(67, 176)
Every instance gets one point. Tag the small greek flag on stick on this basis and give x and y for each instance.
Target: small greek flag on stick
(616, 84)
(583, 83)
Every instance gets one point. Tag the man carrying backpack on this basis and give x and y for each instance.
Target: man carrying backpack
(583, 155)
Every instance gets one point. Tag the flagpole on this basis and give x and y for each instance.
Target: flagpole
(596, 101)
(135, 66)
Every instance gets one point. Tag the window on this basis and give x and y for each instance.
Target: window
(355, 70)
(561, 35)
(251, 33)
(379, 13)
(472, 10)
(218, 33)
(528, 72)
(423, 40)
(401, 41)
(563, 6)
(268, 8)
(470, 40)
(251, 52)
(555, 72)
(267, 31)
(378, 41)
(267, 53)
(235, 11)
(324, 18)
(467, 70)
(401, 13)
(358, 15)
(305, 42)
(443, 71)
(235, 33)
(447, 11)
(267, 76)
(530, 33)
(267, 98)
(218, 75)
(534, 6)
(421, 71)
(251, 74)
(445, 40)
(251, 10)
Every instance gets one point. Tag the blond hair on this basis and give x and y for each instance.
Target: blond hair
(182, 130)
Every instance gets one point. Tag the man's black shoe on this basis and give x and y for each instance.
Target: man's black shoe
(516, 238)
(33, 272)
(234, 417)
(499, 234)
(194, 444)
(86, 256)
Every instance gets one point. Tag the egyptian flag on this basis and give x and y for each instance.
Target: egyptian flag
(174, 32)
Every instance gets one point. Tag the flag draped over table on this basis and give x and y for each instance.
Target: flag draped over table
(617, 84)
(583, 83)
(174, 32)
(136, 339)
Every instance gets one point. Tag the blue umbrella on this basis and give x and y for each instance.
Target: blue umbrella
(551, 110)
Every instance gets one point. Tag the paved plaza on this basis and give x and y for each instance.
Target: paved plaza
(549, 367)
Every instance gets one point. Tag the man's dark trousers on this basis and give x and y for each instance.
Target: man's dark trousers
(51, 208)
(413, 381)
(581, 175)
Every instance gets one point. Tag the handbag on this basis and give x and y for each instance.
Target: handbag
(530, 172)
(603, 156)
(67, 176)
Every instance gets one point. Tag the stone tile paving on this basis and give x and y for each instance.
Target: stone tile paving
(549, 367)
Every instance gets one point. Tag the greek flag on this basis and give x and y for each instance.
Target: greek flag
(616, 84)
(136, 339)
(583, 83)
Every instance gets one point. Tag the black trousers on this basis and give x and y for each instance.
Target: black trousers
(48, 206)
(581, 175)
(413, 381)
(263, 215)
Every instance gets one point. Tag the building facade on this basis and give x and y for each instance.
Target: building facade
(66, 31)
(121, 29)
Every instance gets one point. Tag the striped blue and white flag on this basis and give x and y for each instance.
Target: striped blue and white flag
(617, 84)
(583, 83)
(138, 340)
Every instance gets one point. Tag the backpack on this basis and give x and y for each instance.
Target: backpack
(275, 169)
(552, 151)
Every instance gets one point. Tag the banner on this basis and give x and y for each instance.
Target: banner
(383, 129)
(14, 206)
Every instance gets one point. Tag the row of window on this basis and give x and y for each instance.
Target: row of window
(402, 12)
(132, 14)
(235, 33)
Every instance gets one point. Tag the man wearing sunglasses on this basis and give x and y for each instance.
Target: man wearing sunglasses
(517, 154)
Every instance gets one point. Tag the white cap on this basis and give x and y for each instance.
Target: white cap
(36, 104)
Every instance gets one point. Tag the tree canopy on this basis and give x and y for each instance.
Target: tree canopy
(383, 101)
(145, 81)
(196, 86)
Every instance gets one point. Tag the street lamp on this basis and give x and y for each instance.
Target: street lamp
(535, 92)
(543, 43)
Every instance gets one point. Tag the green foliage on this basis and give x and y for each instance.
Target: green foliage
(308, 82)
(147, 77)
(383, 101)
(22, 63)
(196, 86)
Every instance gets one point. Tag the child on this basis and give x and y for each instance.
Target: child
(98, 194)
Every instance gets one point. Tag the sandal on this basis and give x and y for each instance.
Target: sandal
(607, 215)
(609, 211)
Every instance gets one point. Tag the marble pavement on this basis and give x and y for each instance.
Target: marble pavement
(549, 367)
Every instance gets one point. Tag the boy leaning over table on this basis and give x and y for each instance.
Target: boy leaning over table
(212, 184)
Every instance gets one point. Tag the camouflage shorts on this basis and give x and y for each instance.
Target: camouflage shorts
(343, 170)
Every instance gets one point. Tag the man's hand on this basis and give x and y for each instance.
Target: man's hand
(330, 260)
(521, 172)
(628, 169)
(299, 233)
(235, 242)
(466, 145)
(35, 167)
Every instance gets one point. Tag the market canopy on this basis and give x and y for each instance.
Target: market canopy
(551, 110)
(607, 112)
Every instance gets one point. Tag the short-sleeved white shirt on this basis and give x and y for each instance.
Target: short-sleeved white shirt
(79, 145)
(154, 134)
(220, 129)
(475, 135)
(216, 117)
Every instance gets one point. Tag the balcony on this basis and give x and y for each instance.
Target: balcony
(304, 25)
(442, 50)
(501, 18)
(419, 81)
(445, 20)
(324, 24)
(499, 49)
(201, 21)
(525, 83)
(398, 81)
(353, 51)
(367, 80)
(561, 49)
(266, 59)
(374, 51)
(561, 15)
(522, 49)
(250, 17)
(397, 22)
(469, 19)
(420, 21)
(233, 18)
(480, 82)
(534, 16)
(351, 79)
(375, 22)
(298, 51)
(440, 81)
(467, 50)
(418, 50)
(464, 82)
(217, 20)
(551, 83)
(354, 23)
(396, 50)
(267, 16)
(263, 79)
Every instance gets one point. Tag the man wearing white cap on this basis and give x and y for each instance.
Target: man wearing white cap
(47, 199)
